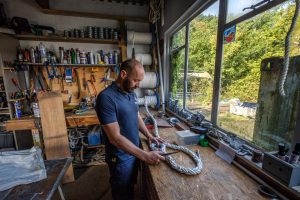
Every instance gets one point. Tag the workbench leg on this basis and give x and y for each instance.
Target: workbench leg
(61, 193)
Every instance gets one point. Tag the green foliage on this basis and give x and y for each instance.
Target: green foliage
(258, 38)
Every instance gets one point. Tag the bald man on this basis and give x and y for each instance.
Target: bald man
(117, 110)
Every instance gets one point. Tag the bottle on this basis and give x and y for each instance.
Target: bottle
(18, 111)
(294, 158)
(20, 55)
(73, 56)
(282, 150)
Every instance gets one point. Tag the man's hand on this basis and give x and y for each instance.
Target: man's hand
(153, 157)
(156, 140)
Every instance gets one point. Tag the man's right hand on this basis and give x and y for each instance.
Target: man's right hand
(153, 157)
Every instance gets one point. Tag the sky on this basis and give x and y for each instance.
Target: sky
(235, 7)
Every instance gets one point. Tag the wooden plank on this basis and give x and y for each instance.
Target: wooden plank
(54, 128)
(86, 119)
(64, 39)
(19, 124)
(276, 115)
(218, 180)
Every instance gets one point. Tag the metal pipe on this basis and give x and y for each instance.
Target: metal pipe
(186, 63)
(160, 71)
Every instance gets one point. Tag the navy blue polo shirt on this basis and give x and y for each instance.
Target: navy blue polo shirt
(115, 105)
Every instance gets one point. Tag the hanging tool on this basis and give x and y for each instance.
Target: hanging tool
(40, 74)
(84, 84)
(19, 93)
(93, 87)
(62, 79)
(50, 74)
(78, 83)
(68, 75)
(167, 154)
(93, 79)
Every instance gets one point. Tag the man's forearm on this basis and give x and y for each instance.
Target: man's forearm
(143, 128)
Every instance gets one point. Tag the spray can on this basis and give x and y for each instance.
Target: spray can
(32, 55)
(91, 58)
(77, 56)
(43, 52)
(61, 55)
(73, 56)
(111, 58)
(18, 111)
(116, 57)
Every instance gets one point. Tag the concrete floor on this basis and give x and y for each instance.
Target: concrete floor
(91, 183)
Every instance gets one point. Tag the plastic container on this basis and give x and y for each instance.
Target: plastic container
(187, 137)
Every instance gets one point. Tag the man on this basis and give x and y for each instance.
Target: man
(117, 110)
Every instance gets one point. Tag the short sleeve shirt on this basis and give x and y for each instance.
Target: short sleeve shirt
(115, 105)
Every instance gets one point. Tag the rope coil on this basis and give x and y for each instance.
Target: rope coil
(287, 50)
(169, 159)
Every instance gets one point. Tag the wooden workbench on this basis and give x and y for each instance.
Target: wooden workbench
(72, 120)
(217, 180)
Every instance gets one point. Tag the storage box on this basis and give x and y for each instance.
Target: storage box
(6, 140)
(187, 137)
(287, 173)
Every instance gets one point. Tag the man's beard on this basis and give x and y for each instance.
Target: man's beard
(126, 86)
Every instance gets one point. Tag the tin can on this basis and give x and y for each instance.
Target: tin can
(18, 110)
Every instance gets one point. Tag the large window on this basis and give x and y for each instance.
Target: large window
(242, 88)
(258, 38)
(202, 50)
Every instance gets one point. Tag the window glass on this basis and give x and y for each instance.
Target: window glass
(258, 38)
(178, 39)
(177, 76)
(202, 50)
(237, 9)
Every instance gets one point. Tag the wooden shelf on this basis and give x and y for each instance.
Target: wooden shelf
(94, 15)
(19, 99)
(4, 108)
(73, 65)
(64, 39)
(4, 113)
(9, 68)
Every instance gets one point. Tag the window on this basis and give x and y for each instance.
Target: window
(202, 50)
(258, 38)
(236, 10)
(177, 66)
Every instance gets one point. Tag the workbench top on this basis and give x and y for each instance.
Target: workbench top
(217, 180)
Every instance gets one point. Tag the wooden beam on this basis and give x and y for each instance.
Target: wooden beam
(93, 15)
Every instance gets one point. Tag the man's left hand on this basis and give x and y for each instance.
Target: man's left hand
(156, 140)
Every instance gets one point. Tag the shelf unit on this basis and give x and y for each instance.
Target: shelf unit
(72, 65)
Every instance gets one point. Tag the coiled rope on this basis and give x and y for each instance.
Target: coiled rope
(287, 50)
(169, 159)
